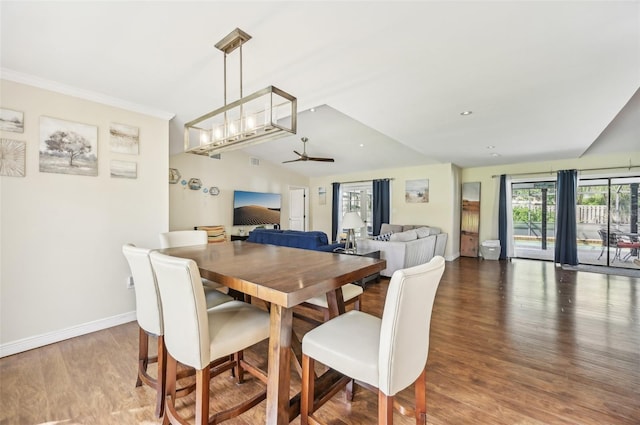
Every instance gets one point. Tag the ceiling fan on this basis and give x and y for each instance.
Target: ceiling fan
(304, 157)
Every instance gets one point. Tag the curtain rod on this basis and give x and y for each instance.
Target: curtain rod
(363, 181)
(629, 167)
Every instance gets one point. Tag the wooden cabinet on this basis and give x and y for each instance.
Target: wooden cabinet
(469, 244)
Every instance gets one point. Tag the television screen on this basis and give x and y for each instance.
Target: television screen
(255, 208)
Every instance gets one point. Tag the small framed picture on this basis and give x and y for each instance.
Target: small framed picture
(416, 191)
(124, 169)
(124, 139)
(11, 120)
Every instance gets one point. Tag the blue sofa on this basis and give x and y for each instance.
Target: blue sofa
(314, 240)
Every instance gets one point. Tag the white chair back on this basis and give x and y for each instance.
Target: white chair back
(186, 324)
(148, 307)
(180, 238)
(406, 320)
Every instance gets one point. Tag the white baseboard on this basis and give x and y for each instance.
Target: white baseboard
(32, 342)
(452, 257)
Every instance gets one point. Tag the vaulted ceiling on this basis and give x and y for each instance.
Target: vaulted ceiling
(543, 79)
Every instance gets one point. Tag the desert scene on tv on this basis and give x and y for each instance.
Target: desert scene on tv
(255, 208)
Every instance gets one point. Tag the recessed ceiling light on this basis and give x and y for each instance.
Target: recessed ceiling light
(362, 145)
(491, 147)
(466, 112)
(312, 109)
(495, 154)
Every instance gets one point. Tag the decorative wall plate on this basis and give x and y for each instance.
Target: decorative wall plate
(195, 184)
(214, 191)
(174, 175)
(12, 157)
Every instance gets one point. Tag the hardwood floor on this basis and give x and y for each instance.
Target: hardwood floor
(511, 343)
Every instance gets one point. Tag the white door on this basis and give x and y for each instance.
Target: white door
(297, 208)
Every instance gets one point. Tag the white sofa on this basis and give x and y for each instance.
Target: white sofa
(409, 245)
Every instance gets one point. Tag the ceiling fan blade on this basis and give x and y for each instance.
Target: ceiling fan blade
(321, 159)
(298, 153)
(294, 160)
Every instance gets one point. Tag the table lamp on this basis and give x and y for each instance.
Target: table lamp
(351, 221)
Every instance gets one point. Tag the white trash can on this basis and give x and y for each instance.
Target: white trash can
(490, 249)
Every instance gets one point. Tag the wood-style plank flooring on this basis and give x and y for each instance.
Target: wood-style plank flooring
(517, 342)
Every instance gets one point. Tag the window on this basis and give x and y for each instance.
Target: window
(358, 197)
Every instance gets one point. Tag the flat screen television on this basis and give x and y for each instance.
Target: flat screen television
(255, 208)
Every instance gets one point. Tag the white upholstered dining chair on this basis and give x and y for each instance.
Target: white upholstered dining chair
(179, 238)
(205, 339)
(149, 317)
(351, 294)
(387, 354)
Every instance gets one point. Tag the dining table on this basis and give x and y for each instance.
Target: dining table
(283, 277)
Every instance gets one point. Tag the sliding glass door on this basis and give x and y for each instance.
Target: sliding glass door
(607, 219)
(534, 213)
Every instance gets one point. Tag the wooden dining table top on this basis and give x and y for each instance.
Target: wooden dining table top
(280, 275)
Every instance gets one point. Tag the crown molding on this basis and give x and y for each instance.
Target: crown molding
(31, 80)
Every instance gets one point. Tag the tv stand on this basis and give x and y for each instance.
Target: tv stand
(239, 237)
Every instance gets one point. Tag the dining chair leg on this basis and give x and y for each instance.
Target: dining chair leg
(161, 380)
(421, 398)
(238, 371)
(385, 409)
(202, 395)
(170, 388)
(143, 354)
(307, 392)
(349, 390)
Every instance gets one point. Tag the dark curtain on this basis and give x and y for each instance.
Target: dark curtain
(335, 210)
(566, 241)
(502, 217)
(380, 204)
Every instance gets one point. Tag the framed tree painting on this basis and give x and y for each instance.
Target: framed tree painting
(68, 147)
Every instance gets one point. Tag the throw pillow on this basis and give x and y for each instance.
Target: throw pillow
(383, 236)
(407, 236)
(423, 232)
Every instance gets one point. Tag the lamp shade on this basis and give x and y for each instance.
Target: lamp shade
(352, 220)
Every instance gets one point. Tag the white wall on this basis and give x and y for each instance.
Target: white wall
(189, 208)
(489, 186)
(62, 269)
(438, 212)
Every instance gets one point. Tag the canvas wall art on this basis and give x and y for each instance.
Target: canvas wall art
(322, 195)
(124, 139)
(416, 191)
(12, 158)
(11, 120)
(470, 220)
(124, 169)
(68, 147)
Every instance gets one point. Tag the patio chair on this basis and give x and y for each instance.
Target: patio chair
(626, 241)
(609, 240)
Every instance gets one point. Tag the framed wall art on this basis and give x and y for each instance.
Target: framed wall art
(68, 147)
(124, 139)
(12, 158)
(124, 169)
(11, 120)
(416, 191)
